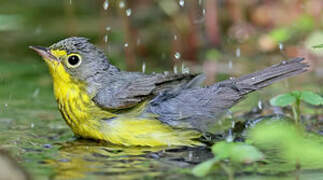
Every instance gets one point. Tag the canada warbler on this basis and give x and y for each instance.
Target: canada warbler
(99, 101)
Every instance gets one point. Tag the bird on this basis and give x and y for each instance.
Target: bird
(101, 102)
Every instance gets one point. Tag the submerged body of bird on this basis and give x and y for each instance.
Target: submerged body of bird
(99, 101)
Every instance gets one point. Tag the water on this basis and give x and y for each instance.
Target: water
(128, 12)
(122, 4)
(177, 55)
(175, 69)
(238, 52)
(181, 3)
(106, 4)
(144, 67)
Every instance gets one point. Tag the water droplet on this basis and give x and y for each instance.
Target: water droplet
(259, 104)
(230, 64)
(128, 12)
(177, 55)
(185, 70)
(175, 69)
(122, 4)
(233, 124)
(238, 52)
(126, 44)
(108, 28)
(106, 5)
(144, 67)
(229, 138)
(190, 155)
(281, 46)
(35, 93)
(106, 38)
(181, 3)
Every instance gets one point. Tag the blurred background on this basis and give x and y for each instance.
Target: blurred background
(221, 38)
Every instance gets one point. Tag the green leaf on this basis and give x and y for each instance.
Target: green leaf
(311, 98)
(205, 168)
(283, 100)
(236, 152)
(318, 46)
(280, 34)
(245, 153)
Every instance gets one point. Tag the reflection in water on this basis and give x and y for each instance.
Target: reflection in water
(81, 158)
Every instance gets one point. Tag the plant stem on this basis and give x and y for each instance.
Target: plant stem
(229, 171)
(296, 111)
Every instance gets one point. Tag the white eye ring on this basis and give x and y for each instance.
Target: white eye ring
(73, 60)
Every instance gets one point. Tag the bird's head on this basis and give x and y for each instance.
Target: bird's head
(74, 59)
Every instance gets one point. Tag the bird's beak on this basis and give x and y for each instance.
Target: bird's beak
(44, 52)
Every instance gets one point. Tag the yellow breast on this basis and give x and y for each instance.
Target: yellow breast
(88, 120)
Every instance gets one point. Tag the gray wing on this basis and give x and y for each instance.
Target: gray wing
(126, 89)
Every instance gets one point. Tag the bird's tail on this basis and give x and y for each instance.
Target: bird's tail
(263, 78)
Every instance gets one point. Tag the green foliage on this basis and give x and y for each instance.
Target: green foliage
(283, 100)
(291, 97)
(280, 34)
(305, 23)
(213, 54)
(311, 98)
(236, 152)
(318, 46)
(294, 98)
(290, 143)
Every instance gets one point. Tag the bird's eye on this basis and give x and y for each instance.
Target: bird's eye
(73, 60)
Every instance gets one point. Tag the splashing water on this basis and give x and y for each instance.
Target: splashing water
(175, 69)
(144, 67)
(128, 12)
(259, 104)
(181, 3)
(122, 4)
(230, 64)
(177, 55)
(238, 52)
(185, 70)
(281, 46)
(106, 5)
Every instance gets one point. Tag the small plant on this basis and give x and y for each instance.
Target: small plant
(318, 46)
(294, 99)
(236, 152)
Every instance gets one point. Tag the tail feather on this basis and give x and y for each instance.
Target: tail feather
(272, 74)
